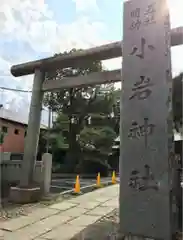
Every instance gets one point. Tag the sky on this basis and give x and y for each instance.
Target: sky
(34, 29)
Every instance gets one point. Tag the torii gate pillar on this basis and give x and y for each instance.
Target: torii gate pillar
(27, 191)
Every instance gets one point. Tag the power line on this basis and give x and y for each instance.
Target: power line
(15, 90)
(19, 90)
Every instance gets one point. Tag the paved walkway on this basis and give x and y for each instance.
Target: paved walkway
(62, 221)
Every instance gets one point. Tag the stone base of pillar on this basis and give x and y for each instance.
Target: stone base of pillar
(25, 195)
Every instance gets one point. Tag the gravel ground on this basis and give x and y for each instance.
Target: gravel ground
(105, 229)
(10, 210)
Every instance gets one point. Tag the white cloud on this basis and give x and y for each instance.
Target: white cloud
(175, 8)
(32, 22)
(28, 20)
(4, 65)
(80, 34)
(85, 5)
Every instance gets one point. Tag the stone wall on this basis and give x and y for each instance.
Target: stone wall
(10, 172)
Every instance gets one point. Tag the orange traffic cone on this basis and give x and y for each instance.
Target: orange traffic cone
(77, 185)
(113, 177)
(98, 180)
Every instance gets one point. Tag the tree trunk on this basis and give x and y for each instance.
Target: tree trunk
(72, 156)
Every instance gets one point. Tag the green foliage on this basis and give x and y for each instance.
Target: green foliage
(98, 138)
(57, 141)
(62, 123)
(75, 106)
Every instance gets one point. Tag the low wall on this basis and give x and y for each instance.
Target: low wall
(12, 156)
(5, 156)
(10, 172)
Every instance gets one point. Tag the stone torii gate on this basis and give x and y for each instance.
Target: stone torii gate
(145, 203)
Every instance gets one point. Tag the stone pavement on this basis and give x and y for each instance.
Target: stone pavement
(64, 220)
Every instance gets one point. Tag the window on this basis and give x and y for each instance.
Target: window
(16, 131)
(4, 129)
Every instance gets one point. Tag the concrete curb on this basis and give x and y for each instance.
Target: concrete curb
(86, 189)
(70, 175)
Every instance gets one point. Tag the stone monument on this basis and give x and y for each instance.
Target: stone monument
(146, 125)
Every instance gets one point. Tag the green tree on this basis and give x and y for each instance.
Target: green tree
(97, 118)
(96, 144)
(97, 137)
(73, 102)
(75, 106)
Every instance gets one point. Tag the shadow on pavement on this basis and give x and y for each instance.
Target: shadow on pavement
(105, 229)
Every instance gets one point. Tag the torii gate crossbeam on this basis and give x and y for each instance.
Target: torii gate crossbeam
(108, 51)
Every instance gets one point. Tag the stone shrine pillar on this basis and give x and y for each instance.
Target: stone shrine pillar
(146, 124)
(47, 171)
